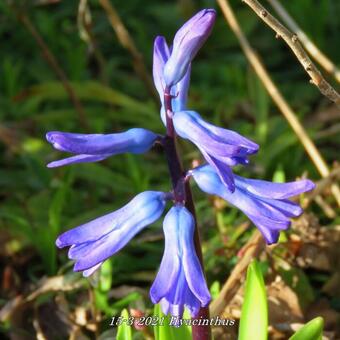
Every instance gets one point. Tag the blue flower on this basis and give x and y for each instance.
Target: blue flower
(265, 203)
(179, 92)
(188, 40)
(221, 148)
(95, 241)
(180, 281)
(96, 147)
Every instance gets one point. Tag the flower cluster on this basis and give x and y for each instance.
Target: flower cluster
(180, 280)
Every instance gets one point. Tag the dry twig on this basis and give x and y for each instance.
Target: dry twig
(52, 61)
(274, 92)
(251, 250)
(10, 138)
(85, 30)
(322, 185)
(127, 42)
(311, 48)
(292, 41)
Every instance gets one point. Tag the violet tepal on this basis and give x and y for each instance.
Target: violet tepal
(93, 242)
(188, 40)
(221, 148)
(179, 92)
(180, 281)
(96, 147)
(265, 203)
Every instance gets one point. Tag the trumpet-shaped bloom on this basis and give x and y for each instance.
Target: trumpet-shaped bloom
(95, 241)
(221, 148)
(265, 203)
(96, 147)
(180, 281)
(179, 92)
(188, 40)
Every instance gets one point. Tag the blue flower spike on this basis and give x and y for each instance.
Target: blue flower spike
(93, 242)
(265, 203)
(221, 148)
(188, 40)
(180, 280)
(96, 147)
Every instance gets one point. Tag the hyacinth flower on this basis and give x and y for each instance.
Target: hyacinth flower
(266, 203)
(179, 92)
(221, 148)
(187, 41)
(180, 280)
(93, 242)
(96, 147)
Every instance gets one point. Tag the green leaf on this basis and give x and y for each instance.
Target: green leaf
(312, 330)
(215, 289)
(124, 330)
(58, 202)
(254, 317)
(163, 330)
(92, 91)
(279, 174)
(105, 276)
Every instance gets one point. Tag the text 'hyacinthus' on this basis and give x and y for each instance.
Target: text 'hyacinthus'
(180, 280)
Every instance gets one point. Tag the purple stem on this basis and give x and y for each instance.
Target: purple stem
(182, 194)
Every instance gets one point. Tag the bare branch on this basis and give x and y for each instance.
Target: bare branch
(251, 250)
(127, 42)
(277, 97)
(86, 33)
(292, 41)
(311, 48)
(52, 61)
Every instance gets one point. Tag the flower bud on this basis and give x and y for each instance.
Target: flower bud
(188, 40)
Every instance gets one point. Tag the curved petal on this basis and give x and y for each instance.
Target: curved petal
(180, 296)
(228, 136)
(270, 215)
(169, 270)
(165, 306)
(171, 286)
(191, 265)
(188, 127)
(208, 180)
(271, 236)
(111, 243)
(90, 271)
(179, 102)
(134, 140)
(288, 208)
(224, 172)
(166, 277)
(268, 189)
(180, 91)
(248, 204)
(140, 208)
(78, 159)
(160, 56)
(188, 40)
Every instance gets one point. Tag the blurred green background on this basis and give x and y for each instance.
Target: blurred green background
(37, 203)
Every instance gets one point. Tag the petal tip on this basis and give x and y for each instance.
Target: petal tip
(310, 185)
(59, 243)
(49, 136)
(52, 165)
